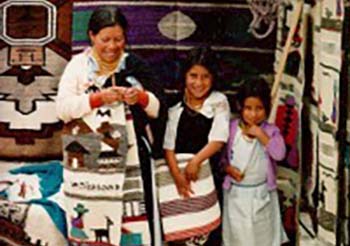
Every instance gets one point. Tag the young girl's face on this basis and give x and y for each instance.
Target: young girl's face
(198, 82)
(253, 112)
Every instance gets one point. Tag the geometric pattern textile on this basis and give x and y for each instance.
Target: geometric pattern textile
(34, 49)
(288, 114)
(162, 32)
(321, 181)
(327, 73)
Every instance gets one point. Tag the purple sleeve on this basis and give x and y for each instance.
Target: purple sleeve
(224, 162)
(224, 158)
(226, 152)
(276, 147)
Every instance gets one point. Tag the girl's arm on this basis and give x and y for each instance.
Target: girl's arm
(234, 173)
(273, 142)
(172, 162)
(193, 166)
(276, 147)
(182, 185)
(218, 135)
(207, 151)
(259, 133)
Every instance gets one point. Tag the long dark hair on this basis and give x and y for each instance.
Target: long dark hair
(106, 17)
(205, 57)
(255, 87)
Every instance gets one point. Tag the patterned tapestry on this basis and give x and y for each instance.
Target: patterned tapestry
(309, 186)
(288, 115)
(36, 43)
(327, 68)
(163, 31)
(346, 225)
(103, 193)
(31, 211)
(34, 49)
(320, 194)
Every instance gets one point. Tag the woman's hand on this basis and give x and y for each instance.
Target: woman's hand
(192, 170)
(183, 185)
(112, 94)
(131, 96)
(234, 173)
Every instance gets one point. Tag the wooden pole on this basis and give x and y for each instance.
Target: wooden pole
(295, 20)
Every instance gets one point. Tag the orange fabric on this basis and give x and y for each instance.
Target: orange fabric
(143, 99)
(96, 100)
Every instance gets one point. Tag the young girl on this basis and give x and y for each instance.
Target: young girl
(197, 128)
(251, 213)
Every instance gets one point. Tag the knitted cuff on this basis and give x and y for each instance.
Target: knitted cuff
(96, 100)
(143, 99)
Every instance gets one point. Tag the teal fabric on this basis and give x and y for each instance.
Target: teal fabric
(51, 178)
(57, 214)
(131, 239)
(347, 156)
(50, 175)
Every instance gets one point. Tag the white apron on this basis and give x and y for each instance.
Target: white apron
(251, 213)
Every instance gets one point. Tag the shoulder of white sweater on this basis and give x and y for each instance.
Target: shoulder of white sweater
(80, 57)
(216, 97)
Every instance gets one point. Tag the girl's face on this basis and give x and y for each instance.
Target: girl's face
(253, 112)
(198, 82)
(109, 43)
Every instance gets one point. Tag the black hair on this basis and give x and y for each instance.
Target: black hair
(255, 87)
(107, 17)
(205, 57)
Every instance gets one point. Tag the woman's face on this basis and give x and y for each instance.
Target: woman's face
(253, 112)
(109, 43)
(198, 82)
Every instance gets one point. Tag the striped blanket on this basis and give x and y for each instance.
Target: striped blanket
(187, 217)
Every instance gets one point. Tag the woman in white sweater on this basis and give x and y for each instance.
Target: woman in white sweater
(106, 98)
